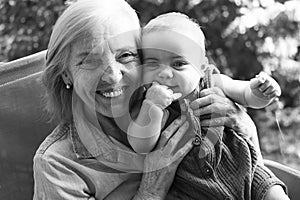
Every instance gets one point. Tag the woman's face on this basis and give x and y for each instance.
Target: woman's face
(103, 66)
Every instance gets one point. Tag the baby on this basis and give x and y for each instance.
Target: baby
(175, 63)
(176, 68)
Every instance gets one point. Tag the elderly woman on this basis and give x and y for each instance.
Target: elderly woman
(92, 71)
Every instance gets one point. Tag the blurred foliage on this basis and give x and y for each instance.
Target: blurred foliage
(26, 25)
(280, 143)
(243, 37)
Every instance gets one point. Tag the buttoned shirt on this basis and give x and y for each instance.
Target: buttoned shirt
(65, 169)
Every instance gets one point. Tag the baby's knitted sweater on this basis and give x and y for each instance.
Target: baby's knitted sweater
(222, 164)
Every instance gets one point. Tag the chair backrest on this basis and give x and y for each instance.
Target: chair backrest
(23, 124)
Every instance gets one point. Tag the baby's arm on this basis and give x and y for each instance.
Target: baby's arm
(256, 93)
(143, 134)
(276, 192)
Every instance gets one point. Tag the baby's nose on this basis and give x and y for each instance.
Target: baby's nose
(166, 72)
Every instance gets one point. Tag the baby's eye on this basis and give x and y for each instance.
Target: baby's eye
(179, 64)
(151, 64)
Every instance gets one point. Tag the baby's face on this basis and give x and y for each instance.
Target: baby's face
(172, 59)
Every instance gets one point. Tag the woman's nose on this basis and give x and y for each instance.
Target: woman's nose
(165, 73)
(112, 74)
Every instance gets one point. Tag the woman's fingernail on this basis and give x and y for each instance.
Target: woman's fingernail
(182, 118)
(186, 124)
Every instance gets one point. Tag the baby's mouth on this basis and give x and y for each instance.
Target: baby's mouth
(111, 93)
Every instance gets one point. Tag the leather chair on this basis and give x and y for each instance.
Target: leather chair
(24, 125)
(289, 176)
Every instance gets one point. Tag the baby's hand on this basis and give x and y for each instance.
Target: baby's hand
(265, 87)
(161, 95)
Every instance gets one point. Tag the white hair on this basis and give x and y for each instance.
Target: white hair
(78, 20)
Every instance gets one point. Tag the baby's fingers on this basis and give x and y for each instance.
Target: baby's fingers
(176, 96)
(263, 87)
(270, 89)
(256, 82)
(270, 92)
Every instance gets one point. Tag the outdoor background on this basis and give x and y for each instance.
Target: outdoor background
(244, 37)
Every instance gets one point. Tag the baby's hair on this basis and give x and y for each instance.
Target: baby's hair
(177, 22)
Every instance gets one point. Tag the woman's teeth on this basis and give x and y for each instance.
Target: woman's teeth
(112, 94)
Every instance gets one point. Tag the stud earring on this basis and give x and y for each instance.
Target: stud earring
(68, 86)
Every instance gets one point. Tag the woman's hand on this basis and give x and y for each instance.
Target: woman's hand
(215, 109)
(161, 164)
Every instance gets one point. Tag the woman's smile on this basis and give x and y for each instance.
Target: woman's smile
(111, 93)
(113, 99)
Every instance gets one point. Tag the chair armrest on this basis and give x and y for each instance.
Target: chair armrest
(291, 177)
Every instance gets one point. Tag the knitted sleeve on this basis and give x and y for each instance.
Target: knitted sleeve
(263, 180)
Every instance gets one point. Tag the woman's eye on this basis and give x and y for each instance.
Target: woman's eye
(127, 57)
(90, 63)
(80, 62)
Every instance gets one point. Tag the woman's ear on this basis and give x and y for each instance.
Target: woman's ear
(67, 78)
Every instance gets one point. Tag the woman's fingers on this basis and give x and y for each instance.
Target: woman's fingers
(169, 131)
(213, 90)
(212, 102)
(219, 121)
(173, 144)
(181, 153)
(165, 117)
(207, 97)
(168, 150)
(215, 108)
